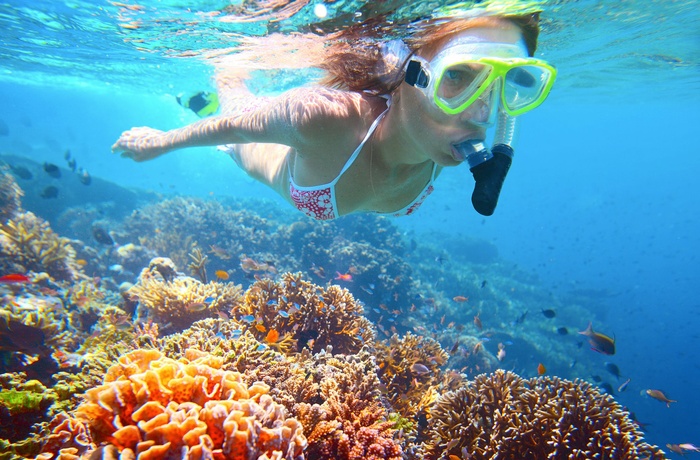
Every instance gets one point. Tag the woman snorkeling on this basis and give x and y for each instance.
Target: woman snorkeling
(376, 133)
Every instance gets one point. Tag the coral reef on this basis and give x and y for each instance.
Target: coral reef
(23, 405)
(409, 367)
(172, 228)
(310, 315)
(10, 195)
(501, 415)
(347, 420)
(178, 300)
(27, 243)
(156, 407)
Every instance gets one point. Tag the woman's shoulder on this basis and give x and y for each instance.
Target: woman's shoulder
(328, 102)
(321, 113)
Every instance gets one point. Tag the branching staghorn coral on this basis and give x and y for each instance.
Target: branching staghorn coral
(501, 415)
(349, 421)
(27, 243)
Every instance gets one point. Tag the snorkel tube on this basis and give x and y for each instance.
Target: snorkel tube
(490, 168)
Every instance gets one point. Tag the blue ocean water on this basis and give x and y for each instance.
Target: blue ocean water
(601, 201)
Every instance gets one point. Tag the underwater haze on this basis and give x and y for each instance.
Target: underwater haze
(600, 208)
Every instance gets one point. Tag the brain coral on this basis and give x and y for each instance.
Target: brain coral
(501, 415)
(157, 408)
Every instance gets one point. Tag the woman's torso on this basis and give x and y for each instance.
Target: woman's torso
(364, 185)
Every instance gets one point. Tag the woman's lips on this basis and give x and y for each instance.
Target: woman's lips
(462, 150)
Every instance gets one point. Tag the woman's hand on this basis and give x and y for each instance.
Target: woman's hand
(141, 144)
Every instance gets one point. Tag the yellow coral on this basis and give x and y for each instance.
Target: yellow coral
(181, 300)
(28, 243)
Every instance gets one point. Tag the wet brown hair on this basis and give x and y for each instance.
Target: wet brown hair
(354, 60)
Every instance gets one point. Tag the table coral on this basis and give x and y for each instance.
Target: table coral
(501, 415)
(156, 408)
(180, 300)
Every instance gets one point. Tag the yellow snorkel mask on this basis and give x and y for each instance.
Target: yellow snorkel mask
(461, 74)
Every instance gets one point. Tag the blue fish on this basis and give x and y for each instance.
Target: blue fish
(272, 302)
(236, 333)
(209, 299)
(248, 318)
(283, 314)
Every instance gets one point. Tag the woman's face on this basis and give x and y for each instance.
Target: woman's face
(436, 132)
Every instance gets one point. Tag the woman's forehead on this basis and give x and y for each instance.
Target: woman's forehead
(502, 33)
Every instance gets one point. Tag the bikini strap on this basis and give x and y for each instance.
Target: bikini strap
(357, 151)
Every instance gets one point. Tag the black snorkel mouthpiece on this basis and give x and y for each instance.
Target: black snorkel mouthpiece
(489, 176)
(489, 169)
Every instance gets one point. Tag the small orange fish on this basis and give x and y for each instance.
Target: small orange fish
(460, 298)
(660, 396)
(81, 262)
(272, 336)
(453, 457)
(222, 274)
(477, 322)
(347, 277)
(541, 370)
(260, 327)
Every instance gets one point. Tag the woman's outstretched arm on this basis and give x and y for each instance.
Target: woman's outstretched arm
(296, 118)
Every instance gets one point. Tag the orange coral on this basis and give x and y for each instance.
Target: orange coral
(156, 408)
(501, 415)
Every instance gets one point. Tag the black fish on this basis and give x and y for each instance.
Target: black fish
(84, 177)
(484, 283)
(613, 369)
(562, 331)
(607, 388)
(52, 170)
(102, 236)
(549, 313)
(520, 319)
(597, 378)
(49, 192)
(72, 165)
(22, 172)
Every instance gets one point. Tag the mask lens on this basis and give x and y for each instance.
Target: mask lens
(459, 82)
(524, 86)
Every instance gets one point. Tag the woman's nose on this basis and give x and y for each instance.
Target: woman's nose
(480, 111)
